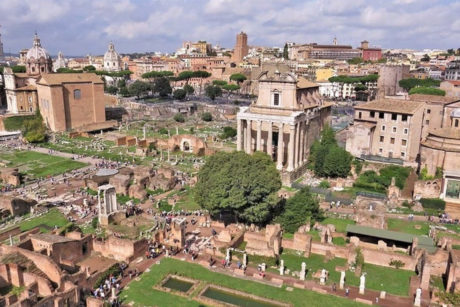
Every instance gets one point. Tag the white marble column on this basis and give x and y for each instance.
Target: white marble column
(279, 159)
(259, 135)
(249, 137)
(239, 135)
(290, 161)
(269, 140)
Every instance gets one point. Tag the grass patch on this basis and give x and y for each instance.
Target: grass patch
(403, 225)
(141, 292)
(36, 165)
(46, 222)
(339, 241)
(15, 123)
(340, 224)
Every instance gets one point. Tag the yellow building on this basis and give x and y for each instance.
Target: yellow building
(323, 74)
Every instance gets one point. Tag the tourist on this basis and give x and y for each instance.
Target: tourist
(334, 287)
(347, 291)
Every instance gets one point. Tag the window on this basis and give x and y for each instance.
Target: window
(403, 154)
(43, 69)
(394, 129)
(404, 117)
(381, 115)
(456, 123)
(404, 142)
(427, 122)
(360, 114)
(383, 127)
(380, 150)
(372, 114)
(392, 140)
(406, 131)
(76, 94)
(428, 111)
(382, 139)
(33, 69)
(394, 116)
(276, 99)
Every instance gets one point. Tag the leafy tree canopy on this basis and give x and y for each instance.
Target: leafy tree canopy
(34, 130)
(118, 74)
(231, 87)
(206, 116)
(286, 52)
(179, 94)
(138, 88)
(213, 91)
(238, 78)
(348, 79)
(157, 74)
(299, 209)
(162, 87)
(179, 117)
(355, 61)
(89, 68)
(239, 184)
(189, 89)
(228, 132)
(66, 70)
(410, 83)
(18, 69)
(219, 82)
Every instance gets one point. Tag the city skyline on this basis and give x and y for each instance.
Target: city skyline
(85, 27)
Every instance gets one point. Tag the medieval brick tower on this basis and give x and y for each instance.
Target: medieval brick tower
(241, 47)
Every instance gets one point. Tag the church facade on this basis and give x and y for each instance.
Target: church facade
(286, 119)
(112, 60)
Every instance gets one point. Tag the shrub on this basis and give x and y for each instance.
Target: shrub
(179, 94)
(324, 184)
(207, 117)
(94, 222)
(427, 91)
(433, 203)
(113, 270)
(179, 117)
(163, 131)
(229, 132)
(396, 263)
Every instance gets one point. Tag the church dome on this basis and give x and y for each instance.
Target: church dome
(37, 51)
(111, 54)
(455, 113)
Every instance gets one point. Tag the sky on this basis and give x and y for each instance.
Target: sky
(80, 27)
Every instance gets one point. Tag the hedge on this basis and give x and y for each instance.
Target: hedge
(15, 123)
(433, 203)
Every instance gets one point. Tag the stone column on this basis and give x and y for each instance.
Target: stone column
(302, 144)
(269, 140)
(290, 161)
(248, 137)
(297, 146)
(279, 160)
(239, 135)
(259, 135)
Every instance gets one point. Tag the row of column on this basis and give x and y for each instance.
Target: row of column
(296, 144)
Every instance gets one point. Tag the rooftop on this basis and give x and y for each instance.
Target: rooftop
(57, 79)
(423, 241)
(50, 238)
(392, 105)
(304, 83)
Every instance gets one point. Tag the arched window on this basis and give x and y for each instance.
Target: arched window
(76, 94)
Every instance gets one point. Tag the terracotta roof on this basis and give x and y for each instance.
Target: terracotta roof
(433, 98)
(29, 87)
(449, 133)
(56, 79)
(304, 83)
(392, 105)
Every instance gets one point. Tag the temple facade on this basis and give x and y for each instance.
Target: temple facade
(287, 117)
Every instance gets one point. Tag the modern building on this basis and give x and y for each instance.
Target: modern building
(453, 71)
(387, 129)
(241, 47)
(330, 52)
(287, 117)
(112, 60)
(370, 54)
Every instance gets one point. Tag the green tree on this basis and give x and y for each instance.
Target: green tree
(228, 132)
(337, 162)
(206, 116)
(157, 74)
(189, 89)
(185, 75)
(34, 130)
(219, 82)
(111, 90)
(179, 117)
(66, 70)
(18, 69)
(286, 52)
(411, 83)
(89, 68)
(425, 58)
(299, 209)
(213, 91)
(179, 94)
(231, 87)
(162, 87)
(355, 61)
(138, 88)
(243, 185)
(238, 78)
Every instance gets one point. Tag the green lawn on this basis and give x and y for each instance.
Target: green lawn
(141, 292)
(403, 225)
(378, 277)
(38, 165)
(46, 221)
(340, 224)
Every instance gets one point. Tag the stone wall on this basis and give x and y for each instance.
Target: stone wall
(120, 249)
(428, 188)
(383, 258)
